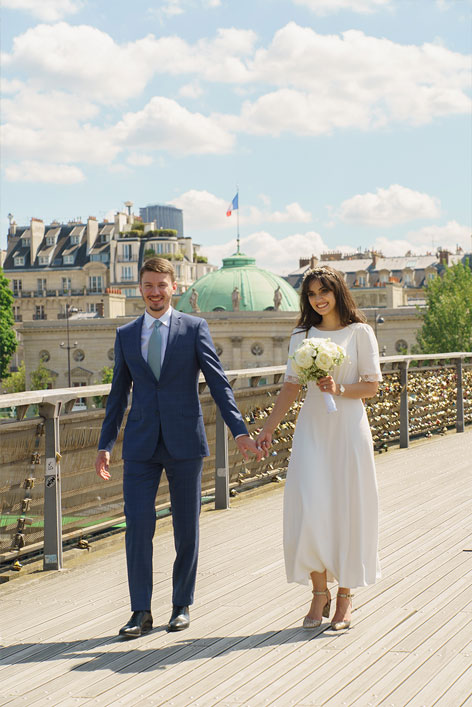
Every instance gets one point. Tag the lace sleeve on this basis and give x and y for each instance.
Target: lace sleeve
(291, 379)
(372, 378)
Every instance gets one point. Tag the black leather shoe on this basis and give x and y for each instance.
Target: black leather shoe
(180, 618)
(139, 623)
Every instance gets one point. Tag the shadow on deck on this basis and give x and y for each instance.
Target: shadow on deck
(410, 643)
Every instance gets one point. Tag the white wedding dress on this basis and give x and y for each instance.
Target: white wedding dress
(331, 501)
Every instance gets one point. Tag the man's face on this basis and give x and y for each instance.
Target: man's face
(156, 289)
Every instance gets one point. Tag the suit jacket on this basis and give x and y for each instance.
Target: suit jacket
(171, 404)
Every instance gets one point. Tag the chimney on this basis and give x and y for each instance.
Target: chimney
(313, 262)
(37, 235)
(303, 262)
(375, 255)
(92, 232)
(443, 256)
(120, 221)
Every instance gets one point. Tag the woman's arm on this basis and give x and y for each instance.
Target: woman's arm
(286, 397)
(355, 391)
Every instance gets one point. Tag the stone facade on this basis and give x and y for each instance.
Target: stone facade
(242, 340)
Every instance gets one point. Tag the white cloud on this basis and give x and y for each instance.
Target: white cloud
(204, 210)
(388, 207)
(163, 124)
(191, 90)
(44, 172)
(172, 8)
(324, 7)
(427, 240)
(325, 82)
(52, 110)
(47, 10)
(278, 255)
(84, 144)
(139, 160)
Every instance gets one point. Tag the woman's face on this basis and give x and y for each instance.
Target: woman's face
(321, 298)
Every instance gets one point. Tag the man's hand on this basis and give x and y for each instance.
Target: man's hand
(246, 444)
(102, 462)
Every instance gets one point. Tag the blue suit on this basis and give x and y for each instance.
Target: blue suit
(164, 430)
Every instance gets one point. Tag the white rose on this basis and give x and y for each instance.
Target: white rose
(324, 361)
(303, 357)
(331, 348)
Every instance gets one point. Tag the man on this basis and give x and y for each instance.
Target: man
(161, 354)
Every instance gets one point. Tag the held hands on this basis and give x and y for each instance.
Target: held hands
(102, 463)
(246, 444)
(327, 385)
(264, 442)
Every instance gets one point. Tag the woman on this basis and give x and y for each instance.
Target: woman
(331, 503)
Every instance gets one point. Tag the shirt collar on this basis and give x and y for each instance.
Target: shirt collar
(150, 321)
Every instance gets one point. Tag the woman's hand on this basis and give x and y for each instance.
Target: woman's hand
(327, 385)
(264, 441)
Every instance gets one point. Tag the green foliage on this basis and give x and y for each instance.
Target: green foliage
(447, 320)
(16, 382)
(107, 374)
(137, 226)
(200, 259)
(162, 233)
(8, 342)
(41, 378)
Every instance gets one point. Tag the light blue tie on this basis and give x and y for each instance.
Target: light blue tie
(154, 350)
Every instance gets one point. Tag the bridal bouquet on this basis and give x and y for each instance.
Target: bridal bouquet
(315, 359)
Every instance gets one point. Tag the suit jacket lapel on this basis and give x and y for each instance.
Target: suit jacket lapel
(139, 323)
(173, 334)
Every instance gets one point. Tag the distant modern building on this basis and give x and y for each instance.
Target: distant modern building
(164, 216)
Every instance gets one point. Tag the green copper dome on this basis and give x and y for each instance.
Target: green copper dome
(239, 286)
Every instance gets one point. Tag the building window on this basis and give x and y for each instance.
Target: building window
(16, 314)
(39, 312)
(111, 354)
(50, 240)
(66, 284)
(129, 291)
(17, 287)
(43, 260)
(430, 276)
(95, 283)
(407, 278)
(92, 307)
(25, 242)
(19, 260)
(69, 260)
(44, 356)
(127, 272)
(383, 276)
(78, 355)
(127, 251)
(105, 257)
(257, 349)
(74, 240)
(41, 284)
(178, 270)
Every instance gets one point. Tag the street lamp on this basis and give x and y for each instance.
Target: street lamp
(69, 310)
(378, 320)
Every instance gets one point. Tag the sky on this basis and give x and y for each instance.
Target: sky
(344, 124)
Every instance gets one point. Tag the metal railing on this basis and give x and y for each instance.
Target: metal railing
(433, 394)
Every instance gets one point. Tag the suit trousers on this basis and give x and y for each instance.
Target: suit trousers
(140, 484)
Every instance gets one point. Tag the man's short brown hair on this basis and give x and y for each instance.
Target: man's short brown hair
(157, 265)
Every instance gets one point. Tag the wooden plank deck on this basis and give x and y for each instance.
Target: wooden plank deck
(410, 644)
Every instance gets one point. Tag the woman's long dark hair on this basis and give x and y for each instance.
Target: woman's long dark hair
(333, 280)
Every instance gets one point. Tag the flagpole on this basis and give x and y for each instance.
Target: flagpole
(237, 222)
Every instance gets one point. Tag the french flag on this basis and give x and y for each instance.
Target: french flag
(233, 206)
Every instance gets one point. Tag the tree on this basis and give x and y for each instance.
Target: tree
(107, 374)
(41, 379)
(8, 342)
(447, 320)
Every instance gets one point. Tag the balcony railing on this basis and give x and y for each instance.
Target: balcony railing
(39, 316)
(47, 479)
(127, 258)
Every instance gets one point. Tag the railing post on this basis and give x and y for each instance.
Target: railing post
(404, 421)
(221, 464)
(459, 398)
(52, 559)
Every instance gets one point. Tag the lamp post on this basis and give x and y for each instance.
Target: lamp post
(378, 320)
(69, 310)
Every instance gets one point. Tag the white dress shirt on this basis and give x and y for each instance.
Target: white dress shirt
(146, 331)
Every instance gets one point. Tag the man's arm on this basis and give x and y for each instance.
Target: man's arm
(116, 405)
(222, 392)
